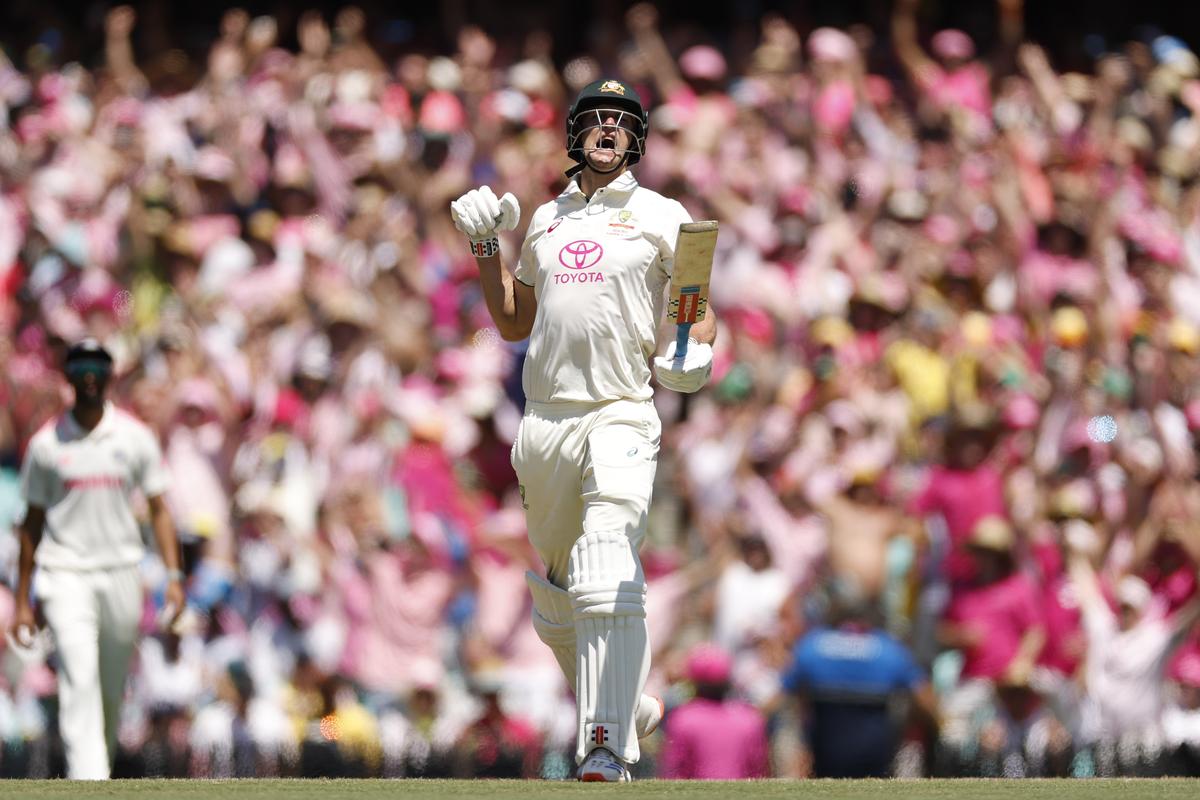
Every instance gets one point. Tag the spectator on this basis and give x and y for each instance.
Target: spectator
(692, 751)
(997, 625)
(750, 592)
(1127, 653)
(497, 745)
(849, 675)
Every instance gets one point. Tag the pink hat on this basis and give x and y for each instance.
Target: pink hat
(755, 323)
(830, 44)
(290, 409)
(1021, 412)
(708, 663)
(702, 62)
(952, 43)
(396, 103)
(441, 112)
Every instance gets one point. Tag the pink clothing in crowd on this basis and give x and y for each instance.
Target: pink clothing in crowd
(395, 612)
(1002, 612)
(966, 87)
(716, 741)
(962, 498)
(1065, 642)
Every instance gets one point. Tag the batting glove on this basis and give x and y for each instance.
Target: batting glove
(479, 215)
(688, 376)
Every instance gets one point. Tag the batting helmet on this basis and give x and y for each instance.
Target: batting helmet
(607, 94)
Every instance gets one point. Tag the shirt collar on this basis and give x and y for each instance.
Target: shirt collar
(625, 182)
(107, 420)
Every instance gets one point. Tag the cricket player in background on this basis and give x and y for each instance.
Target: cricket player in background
(79, 472)
(588, 292)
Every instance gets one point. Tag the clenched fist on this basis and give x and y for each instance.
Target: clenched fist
(479, 214)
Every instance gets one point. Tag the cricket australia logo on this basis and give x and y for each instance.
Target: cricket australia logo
(579, 255)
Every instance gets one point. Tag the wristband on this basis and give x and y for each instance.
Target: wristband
(484, 248)
(175, 575)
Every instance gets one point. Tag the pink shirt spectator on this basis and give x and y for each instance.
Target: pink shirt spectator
(395, 610)
(966, 88)
(1043, 275)
(714, 741)
(962, 498)
(1065, 641)
(1002, 612)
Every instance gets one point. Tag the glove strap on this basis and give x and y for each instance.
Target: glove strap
(485, 248)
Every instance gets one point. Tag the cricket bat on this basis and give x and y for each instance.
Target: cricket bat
(689, 281)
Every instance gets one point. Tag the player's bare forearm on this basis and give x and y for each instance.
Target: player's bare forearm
(174, 596)
(164, 533)
(705, 331)
(509, 301)
(30, 532)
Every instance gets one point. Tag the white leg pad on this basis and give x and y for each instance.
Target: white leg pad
(608, 599)
(554, 622)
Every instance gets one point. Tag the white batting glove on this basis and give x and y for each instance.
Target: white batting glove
(689, 376)
(479, 214)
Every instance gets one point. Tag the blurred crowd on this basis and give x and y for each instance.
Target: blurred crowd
(950, 441)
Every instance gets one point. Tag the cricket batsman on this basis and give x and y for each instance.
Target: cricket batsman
(588, 292)
(77, 477)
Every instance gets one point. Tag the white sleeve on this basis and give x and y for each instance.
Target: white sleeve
(36, 480)
(153, 476)
(527, 266)
(666, 235)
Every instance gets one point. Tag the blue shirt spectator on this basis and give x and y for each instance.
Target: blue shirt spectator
(850, 675)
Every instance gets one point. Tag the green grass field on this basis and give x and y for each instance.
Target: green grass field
(1166, 789)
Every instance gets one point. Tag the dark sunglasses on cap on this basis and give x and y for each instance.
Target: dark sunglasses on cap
(80, 367)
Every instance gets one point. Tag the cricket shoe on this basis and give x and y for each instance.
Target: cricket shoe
(601, 766)
(649, 713)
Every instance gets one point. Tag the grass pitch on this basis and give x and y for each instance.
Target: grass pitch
(1163, 789)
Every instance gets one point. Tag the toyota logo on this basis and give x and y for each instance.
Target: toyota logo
(580, 254)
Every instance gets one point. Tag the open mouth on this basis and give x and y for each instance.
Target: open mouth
(607, 142)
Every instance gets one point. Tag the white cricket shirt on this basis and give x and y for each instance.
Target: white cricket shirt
(84, 479)
(598, 268)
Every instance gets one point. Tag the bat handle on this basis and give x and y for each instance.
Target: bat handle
(681, 341)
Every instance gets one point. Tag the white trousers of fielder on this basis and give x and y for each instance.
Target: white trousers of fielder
(586, 473)
(93, 616)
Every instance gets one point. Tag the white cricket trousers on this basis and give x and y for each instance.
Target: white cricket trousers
(585, 468)
(586, 473)
(94, 617)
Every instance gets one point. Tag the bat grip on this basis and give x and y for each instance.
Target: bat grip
(681, 341)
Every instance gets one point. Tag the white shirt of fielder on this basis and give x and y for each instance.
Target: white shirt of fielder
(84, 479)
(599, 269)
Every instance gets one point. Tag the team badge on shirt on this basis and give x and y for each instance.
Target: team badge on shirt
(619, 224)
